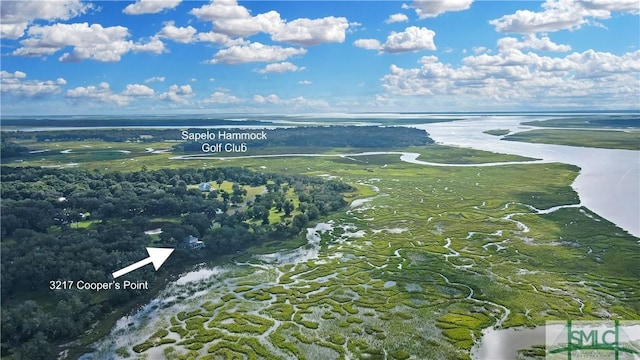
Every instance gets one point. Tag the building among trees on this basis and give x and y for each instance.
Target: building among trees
(194, 243)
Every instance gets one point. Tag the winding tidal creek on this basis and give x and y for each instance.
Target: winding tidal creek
(609, 179)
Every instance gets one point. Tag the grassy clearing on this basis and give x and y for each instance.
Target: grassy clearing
(94, 145)
(279, 216)
(227, 186)
(608, 139)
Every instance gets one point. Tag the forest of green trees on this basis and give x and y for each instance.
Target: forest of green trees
(10, 149)
(42, 240)
(316, 136)
(334, 137)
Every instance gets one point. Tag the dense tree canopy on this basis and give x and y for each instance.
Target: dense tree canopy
(82, 225)
(315, 136)
(334, 136)
(10, 149)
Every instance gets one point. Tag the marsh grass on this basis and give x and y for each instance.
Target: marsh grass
(462, 262)
(497, 132)
(607, 139)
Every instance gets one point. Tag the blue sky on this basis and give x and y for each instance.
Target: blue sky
(224, 56)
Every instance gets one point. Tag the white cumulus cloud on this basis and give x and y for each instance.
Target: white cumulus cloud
(11, 76)
(308, 32)
(396, 18)
(479, 49)
(271, 99)
(101, 93)
(232, 19)
(562, 14)
(235, 20)
(95, 42)
(218, 38)
(411, 39)
(531, 41)
(183, 35)
(254, 52)
(268, 22)
(433, 8)
(221, 97)
(154, 45)
(369, 44)
(16, 16)
(14, 84)
(280, 68)
(138, 90)
(513, 77)
(155, 79)
(150, 6)
(178, 94)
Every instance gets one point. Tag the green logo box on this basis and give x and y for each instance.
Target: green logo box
(597, 340)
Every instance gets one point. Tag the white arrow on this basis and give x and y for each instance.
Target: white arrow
(157, 256)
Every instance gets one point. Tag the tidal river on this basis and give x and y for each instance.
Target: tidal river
(608, 184)
(609, 180)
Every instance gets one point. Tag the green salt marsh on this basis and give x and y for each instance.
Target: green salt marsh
(416, 270)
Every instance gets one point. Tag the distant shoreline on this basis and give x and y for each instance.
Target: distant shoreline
(83, 122)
